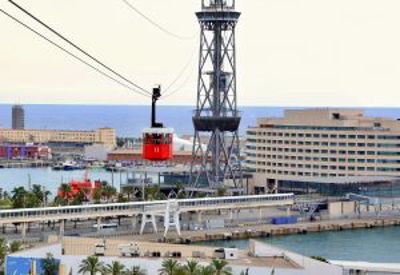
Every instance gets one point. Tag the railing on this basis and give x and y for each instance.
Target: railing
(135, 208)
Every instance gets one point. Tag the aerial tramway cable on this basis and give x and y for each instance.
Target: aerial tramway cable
(151, 21)
(80, 49)
(180, 74)
(71, 54)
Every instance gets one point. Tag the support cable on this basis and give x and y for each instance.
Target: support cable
(72, 54)
(78, 48)
(179, 88)
(181, 72)
(155, 24)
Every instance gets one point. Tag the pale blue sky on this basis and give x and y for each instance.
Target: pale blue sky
(290, 52)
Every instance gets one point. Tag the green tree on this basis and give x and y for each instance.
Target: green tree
(221, 267)
(18, 197)
(135, 270)
(32, 201)
(128, 190)
(206, 270)
(91, 265)
(65, 190)
(109, 192)
(40, 193)
(221, 191)
(168, 267)
(191, 267)
(115, 268)
(50, 266)
(3, 251)
(15, 246)
(97, 195)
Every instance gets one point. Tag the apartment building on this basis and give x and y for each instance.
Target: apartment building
(105, 136)
(18, 117)
(316, 145)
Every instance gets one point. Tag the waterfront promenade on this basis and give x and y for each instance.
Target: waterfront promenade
(247, 231)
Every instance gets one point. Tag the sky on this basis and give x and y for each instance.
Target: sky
(289, 52)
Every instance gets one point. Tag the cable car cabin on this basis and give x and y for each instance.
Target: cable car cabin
(158, 144)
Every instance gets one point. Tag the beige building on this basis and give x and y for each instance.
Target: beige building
(105, 136)
(312, 145)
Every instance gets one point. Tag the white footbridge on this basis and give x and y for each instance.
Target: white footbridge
(170, 210)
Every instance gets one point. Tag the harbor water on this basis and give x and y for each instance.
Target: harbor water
(371, 245)
(51, 179)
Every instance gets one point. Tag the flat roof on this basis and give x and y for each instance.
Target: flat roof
(367, 266)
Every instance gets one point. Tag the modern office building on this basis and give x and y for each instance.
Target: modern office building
(105, 136)
(18, 117)
(314, 146)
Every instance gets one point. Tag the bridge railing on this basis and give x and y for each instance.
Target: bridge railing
(103, 210)
(238, 200)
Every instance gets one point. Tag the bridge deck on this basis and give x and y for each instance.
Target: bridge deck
(137, 208)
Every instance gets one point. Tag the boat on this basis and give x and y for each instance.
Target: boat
(80, 185)
(58, 166)
(70, 165)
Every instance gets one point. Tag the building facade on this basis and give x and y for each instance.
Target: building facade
(24, 151)
(105, 136)
(313, 144)
(18, 117)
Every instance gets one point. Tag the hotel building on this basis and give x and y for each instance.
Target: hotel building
(104, 136)
(339, 146)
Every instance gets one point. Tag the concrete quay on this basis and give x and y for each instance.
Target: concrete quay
(268, 230)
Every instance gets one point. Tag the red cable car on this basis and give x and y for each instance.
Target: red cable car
(157, 140)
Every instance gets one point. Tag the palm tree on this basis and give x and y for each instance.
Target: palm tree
(191, 267)
(50, 266)
(65, 190)
(169, 266)
(135, 270)
(115, 268)
(109, 192)
(18, 197)
(15, 246)
(206, 270)
(221, 267)
(91, 265)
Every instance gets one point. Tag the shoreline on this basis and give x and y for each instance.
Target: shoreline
(269, 230)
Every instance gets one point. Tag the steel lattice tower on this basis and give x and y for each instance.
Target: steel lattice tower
(216, 120)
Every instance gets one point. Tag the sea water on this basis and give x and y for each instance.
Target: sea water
(372, 245)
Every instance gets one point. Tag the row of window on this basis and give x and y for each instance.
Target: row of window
(318, 135)
(322, 151)
(325, 143)
(306, 174)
